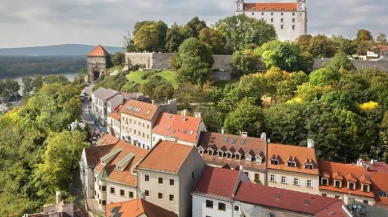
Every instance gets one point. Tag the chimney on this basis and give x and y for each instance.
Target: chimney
(310, 143)
(197, 114)
(222, 130)
(263, 136)
(244, 134)
(372, 162)
(241, 168)
(268, 140)
(58, 196)
(153, 102)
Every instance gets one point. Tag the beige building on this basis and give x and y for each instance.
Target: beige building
(235, 152)
(293, 167)
(167, 175)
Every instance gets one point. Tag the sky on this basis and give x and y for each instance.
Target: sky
(48, 22)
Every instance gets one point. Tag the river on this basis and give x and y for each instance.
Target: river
(69, 76)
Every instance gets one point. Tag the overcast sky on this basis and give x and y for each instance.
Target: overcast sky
(47, 22)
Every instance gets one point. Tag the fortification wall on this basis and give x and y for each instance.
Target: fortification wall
(222, 62)
(139, 58)
(160, 60)
(359, 64)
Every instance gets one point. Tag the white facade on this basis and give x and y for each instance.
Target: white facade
(203, 206)
(87, 176)
(289, 24)
(114, 126)
(137, 131)
(113, 103)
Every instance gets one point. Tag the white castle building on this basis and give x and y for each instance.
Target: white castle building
(289, 19)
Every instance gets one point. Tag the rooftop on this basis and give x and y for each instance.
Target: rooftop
(361, 209)
(344, 173)
(298, 156)
(166, 156)
(104, 94)
(380, 187)
(334, 210)
(98, 51)
(139, 109)
(183, 128)
(131, 155)
(377, 166)
(115, 114)
(282, 199)
(234, 150)
(135, 208)
(103, 146)
(270, 6)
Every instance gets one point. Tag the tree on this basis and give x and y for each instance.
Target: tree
(304, 42)
(247, 117)
(341, 61)
(241, 31)
(381, 39)
(147, 38)
(117, 58)
(174, 38)
(362, 47)
(28, 85)
(347, 47)
(213, 118)
(245, 62)
(287, 56)
(139, 25)
(38, 82)
(10, 87)
(128, 45)
(158, 88)
(193, 27)
(364, 35)
(213, 39)
(51, 79)
(324, 76)
(322, 46)
(195, 61)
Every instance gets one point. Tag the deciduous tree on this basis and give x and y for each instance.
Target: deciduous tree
(245, 62)
(174, 38)
(214, 39)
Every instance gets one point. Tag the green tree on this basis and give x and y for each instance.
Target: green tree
(139, 25)
(174, 38)
(245, 62)
(128, 44)
(117, 58)
(324, 76)
(247, 117)
(304, 42)
(364, 35)
(28, 85)
(322, 46)
(193, 27)
(286, 56)
(158, 88)
(51, 79)
(213, 118)
(241, 31)
(38, 82)
(213, 39)
(147, 38)
(381, 39)
(10, 87)
(195, 61)
(341, 61)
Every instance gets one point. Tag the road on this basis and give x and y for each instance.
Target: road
(86, 105)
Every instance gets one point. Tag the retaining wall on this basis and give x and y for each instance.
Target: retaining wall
(359, 64)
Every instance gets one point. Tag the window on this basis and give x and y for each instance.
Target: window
(271, 13)
(171, 197)
(95, 179)
(296, 181)
(337, 184)
(351, 185)
(112, 190)
(325, 181)
(122, 193)
(193, 175)
(291, 164)
(221, 206)
(309, 166)
(147, 178)
(103, 202)
(134, 131)
(146, 193)
(337, 197)
(143, 135)
(281, 27)
(236, 208)
(148, 126)
(293, 20)
(281, 20)
(274, 161)
(284, 179)
(171, 181)
(160, 195)
(262, 13)
(253, 13)
(281, 14)
(103, 188)
(209, 204)
(293, 27)
(365, 201)
(130, 194)
(309, 183)
(148, 136)
(257, 176)
(383, 194)
(293, 14)
(272, 178)
(271, 19)
(324, 195)
(160, 180)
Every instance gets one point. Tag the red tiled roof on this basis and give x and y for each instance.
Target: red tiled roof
(98, 51)
(380, 183)
(103, 146)
(185, 129)
(115, 114)
(124, 176)
(377, 166)
(238, 144)
(284, 152)
(351, 172)
(139, 109)
(334, 210)
(166, 156)
(218, 181)
(138, 207)
(288, 200)
(270, 6)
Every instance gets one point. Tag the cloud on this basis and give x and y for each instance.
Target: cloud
(106, 21)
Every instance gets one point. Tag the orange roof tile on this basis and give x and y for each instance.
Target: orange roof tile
(270, 6)
(351, 173)
(364, 180)
(138, 207)
(98, 51)
(185, 129)
(166, 156)
(284, 152)
(115, 114)
(380, 186)
(139, 109)
(125, 176)
(324, 174)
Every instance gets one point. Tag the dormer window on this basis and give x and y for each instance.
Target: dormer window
(201, 150)
(365, 187)
(220, 153)
(291, 163)
(274, 161)
(309, 166)
(259, 159)
(324, 181)
(337, 183)
(382, 194)
(248, 158)
(351, 186)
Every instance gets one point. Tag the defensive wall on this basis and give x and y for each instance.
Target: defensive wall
(381, 65)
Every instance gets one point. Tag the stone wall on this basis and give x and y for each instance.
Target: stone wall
(222, 62)
(139, 59)
(359, 64)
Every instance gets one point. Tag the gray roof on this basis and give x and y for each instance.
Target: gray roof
(114, 98)
(104, 94)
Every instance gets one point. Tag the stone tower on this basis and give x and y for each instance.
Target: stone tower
(240, 5)
(302, 16)
(97, 60)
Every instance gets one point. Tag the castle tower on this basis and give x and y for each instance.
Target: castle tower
(97, 60)
(302, 16)
(240, 5)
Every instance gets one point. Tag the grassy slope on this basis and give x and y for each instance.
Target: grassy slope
(170, 76)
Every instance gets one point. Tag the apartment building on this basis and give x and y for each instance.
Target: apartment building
(235, 152)
(167, 175)
(90, 157)
(380, 188)
(100, 104)
(114, 123)
(115, 177)
(338, 179)
(182, 129)
(293, 167)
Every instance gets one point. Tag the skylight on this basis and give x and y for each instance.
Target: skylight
(168, 128)
(242, 141)
(383, 194)
(234, 141)
(226, 139)
(184, 131)
(191, 132)
(148, 112)
(173, 131)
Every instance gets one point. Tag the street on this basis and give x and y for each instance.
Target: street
(85, 105)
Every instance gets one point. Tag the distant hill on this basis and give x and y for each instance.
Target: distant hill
(55, 50)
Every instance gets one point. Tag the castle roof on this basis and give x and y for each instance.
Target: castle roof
(98, 51)
(270, 6)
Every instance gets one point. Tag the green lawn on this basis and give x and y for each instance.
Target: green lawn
(170, 76)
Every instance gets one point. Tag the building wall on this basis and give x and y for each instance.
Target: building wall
(339, 195)
(99, 194)
(359, 64)
(87, 176)
(112, 104)
(117, 197)
(302, 187)
(200, 209)
(95, 64)
(114, 126)
(154, 188)
(137, 128)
